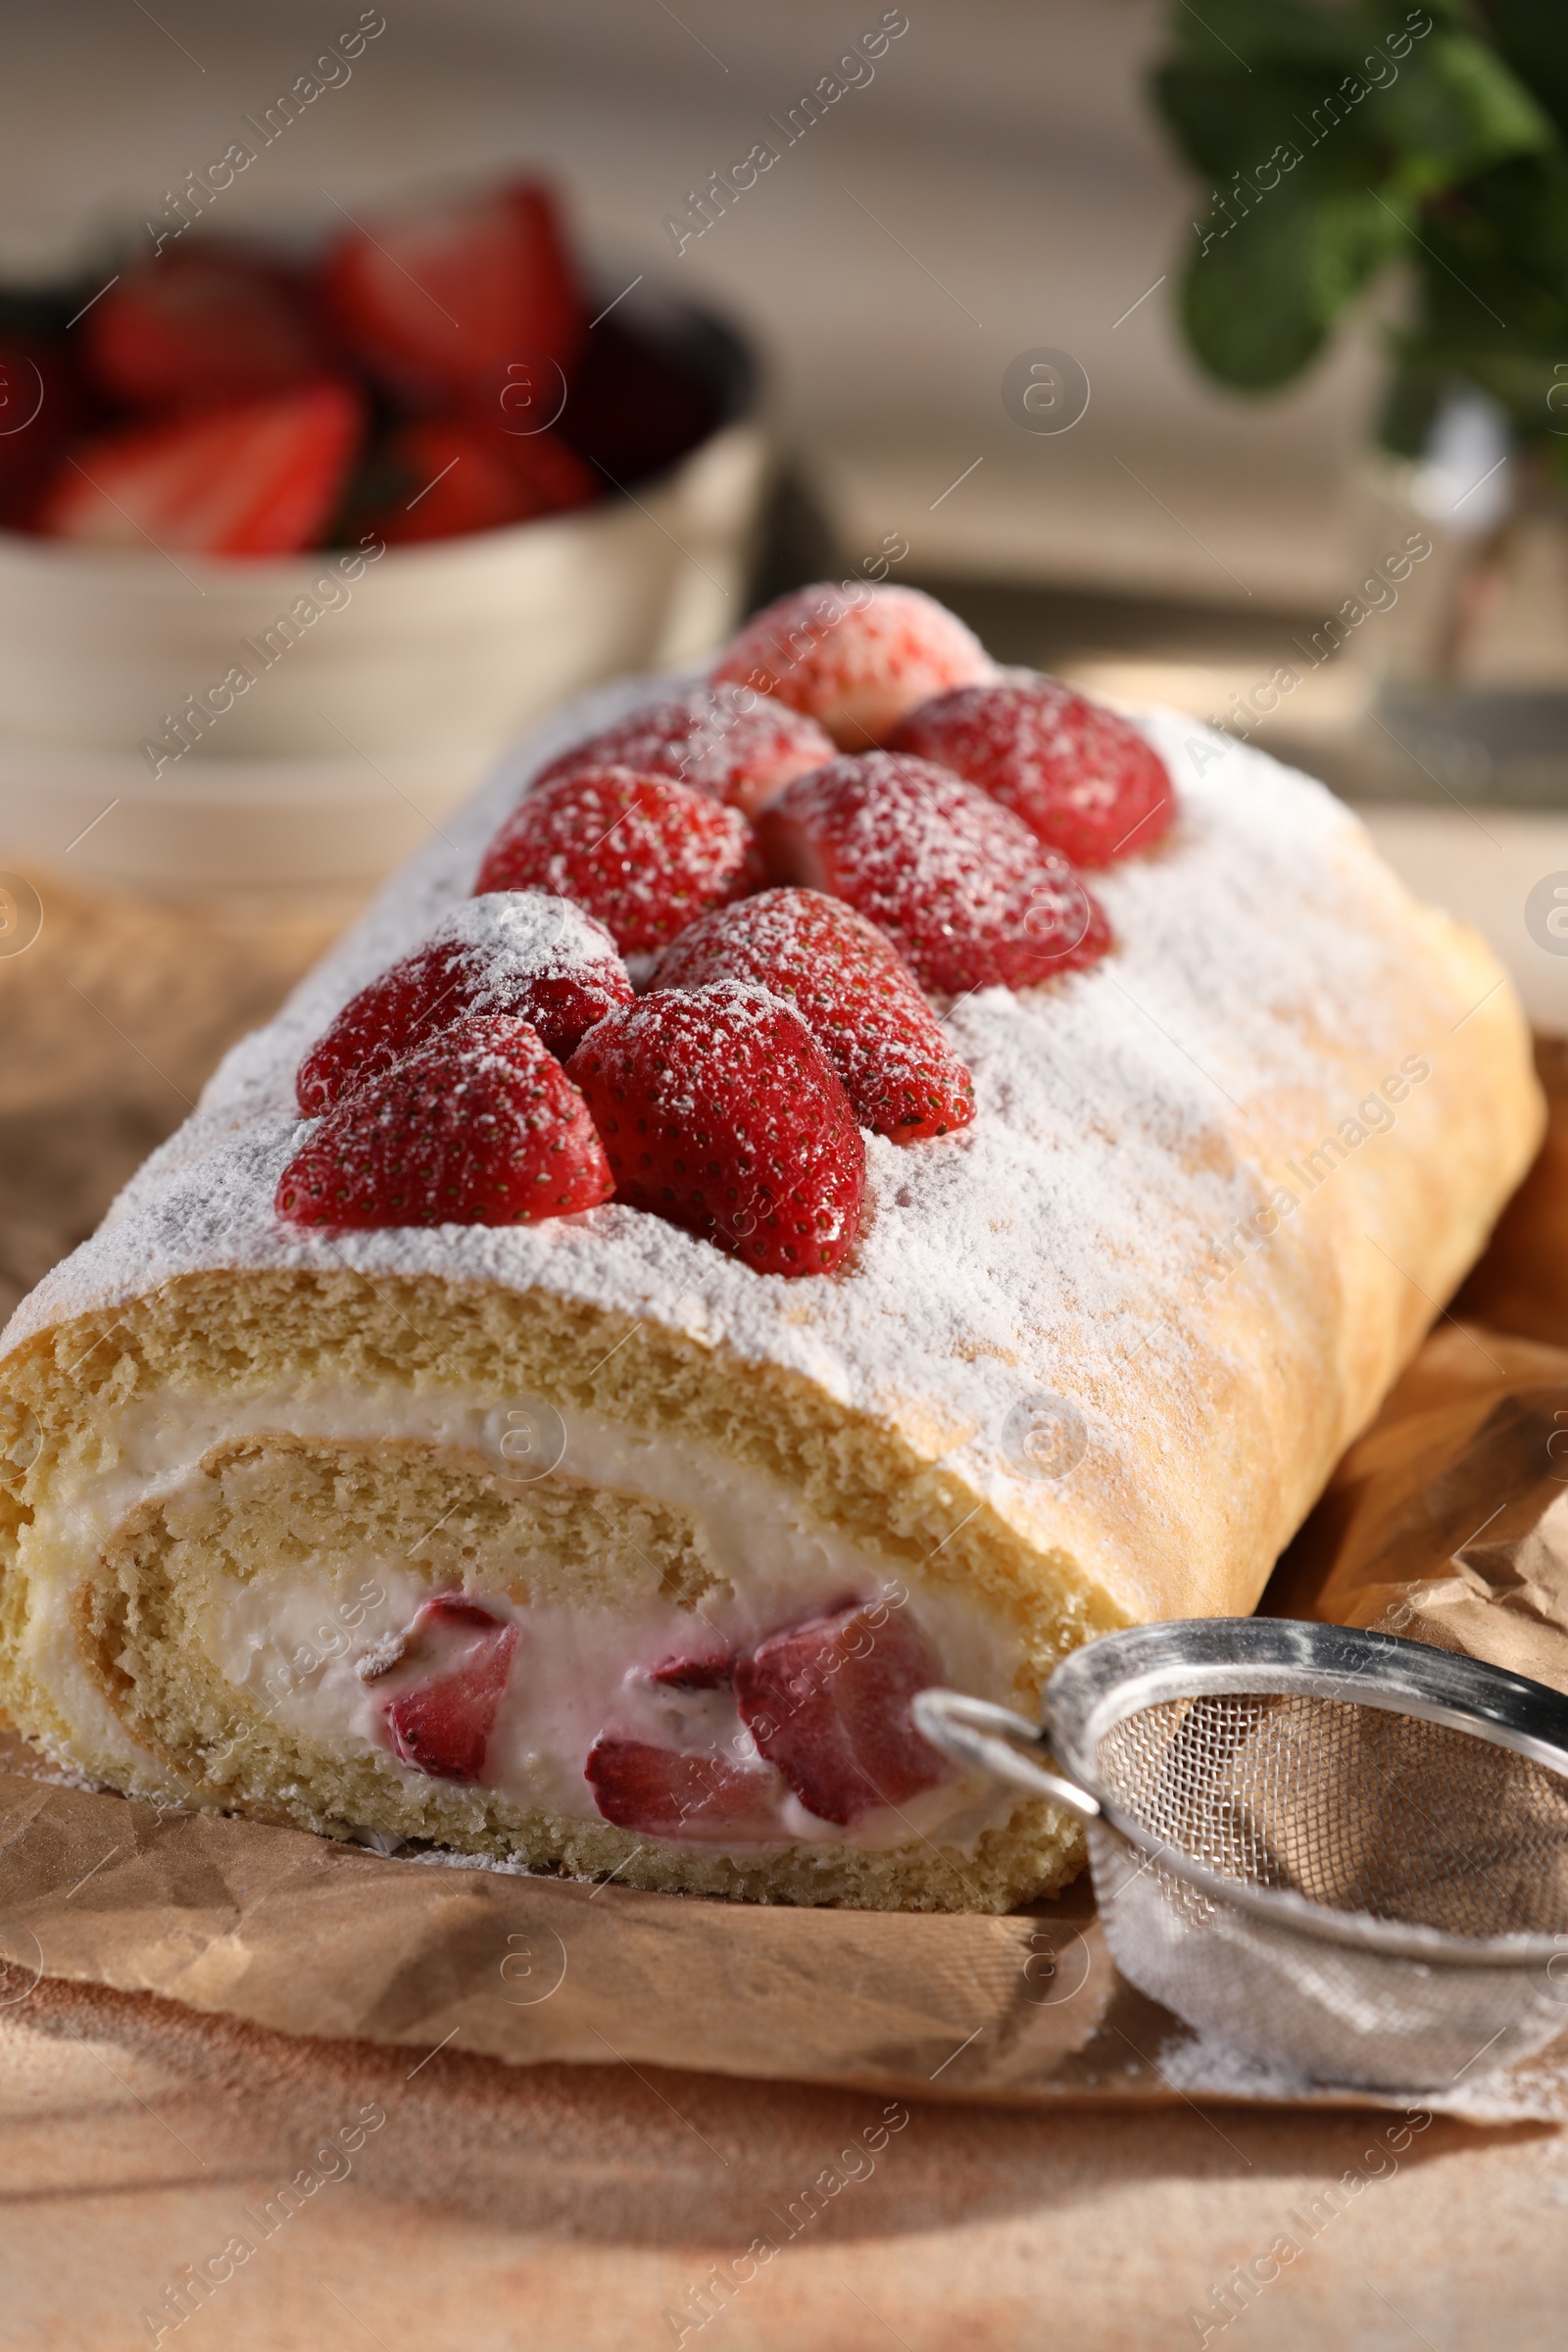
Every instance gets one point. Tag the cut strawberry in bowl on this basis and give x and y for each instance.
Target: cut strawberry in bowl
(189, 329)
(439, 479)
(256, 479)
(668, 1794)
(516, 952)
(431, 297)
(644, 855)
(855, 657)
(1083, 779)
(853, 991)
(828, 1703)
(724, 741)
(479, 1126)
(720, 1116)
(966, 894)
(441, 1723)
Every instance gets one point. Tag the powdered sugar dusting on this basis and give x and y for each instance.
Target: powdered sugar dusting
(1265, 959)
(524, 933)
(1203, 2067)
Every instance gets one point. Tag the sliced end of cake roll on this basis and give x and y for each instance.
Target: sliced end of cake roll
(504, 1574)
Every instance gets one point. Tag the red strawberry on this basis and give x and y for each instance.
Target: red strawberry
(853, 991)
(1083, 780)
(448, 479)
(855, 657)
(719, 1114)
(664, 1794)
(193, 328)
(644, 855)
(724, 741)
(518, 952)
(442, 1725)
(262, 479)
(960, 886)
(432, 300)
(828, 1703)
(480, 1126)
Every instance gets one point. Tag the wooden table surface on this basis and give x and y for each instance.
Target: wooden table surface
(575, 2209)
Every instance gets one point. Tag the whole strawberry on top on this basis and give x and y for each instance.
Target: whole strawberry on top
(853, 991)
(855, 657)
(966, 894)
(519, 952)
(479, 1126)
(1081, 777)
(720, 1116)
(642, 853)
(725, 740)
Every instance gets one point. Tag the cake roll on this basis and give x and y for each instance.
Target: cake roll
(579, 1543)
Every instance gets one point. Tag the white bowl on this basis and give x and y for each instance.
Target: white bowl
(364, 723)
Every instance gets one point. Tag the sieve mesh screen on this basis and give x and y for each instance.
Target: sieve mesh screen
(1351, 1806)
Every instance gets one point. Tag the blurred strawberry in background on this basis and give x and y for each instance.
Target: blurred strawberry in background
(438, 479)
(430, 301)
(192, 328)
(256, 477)
(431, 375)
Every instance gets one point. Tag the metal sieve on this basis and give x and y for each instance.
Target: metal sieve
(1342, 1855)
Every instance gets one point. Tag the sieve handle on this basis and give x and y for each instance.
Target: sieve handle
(974, 1731)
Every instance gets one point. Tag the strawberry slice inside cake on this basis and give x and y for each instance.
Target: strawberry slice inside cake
(794, 1733)
(441, 1721)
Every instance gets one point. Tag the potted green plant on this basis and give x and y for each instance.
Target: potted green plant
(1342, 141)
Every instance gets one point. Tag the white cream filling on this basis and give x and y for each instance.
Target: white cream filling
(578, 1669)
